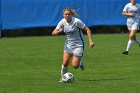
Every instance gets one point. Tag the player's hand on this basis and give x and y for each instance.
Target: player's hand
(92, 44)
(131, 14)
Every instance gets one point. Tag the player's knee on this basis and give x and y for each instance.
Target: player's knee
(76, 66)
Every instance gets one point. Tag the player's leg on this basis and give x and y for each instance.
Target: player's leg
(129, 28)
(137, 40)
(136, 26)
(67, 55)
(130, 41)
(66, 60)
(82, 66)
(76, 60)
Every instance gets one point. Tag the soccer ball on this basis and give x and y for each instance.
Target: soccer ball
(68, 77)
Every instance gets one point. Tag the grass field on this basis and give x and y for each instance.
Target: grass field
(32, 65)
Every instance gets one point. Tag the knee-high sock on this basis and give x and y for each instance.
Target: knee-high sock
(137, 41)
(129, 44)
(81, 63)
(63, 70)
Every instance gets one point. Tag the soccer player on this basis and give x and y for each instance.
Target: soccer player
(74, 45)
(131, 11)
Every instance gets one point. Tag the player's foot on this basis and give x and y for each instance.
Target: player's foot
(82, 67)
(125, 52)
(60, 81)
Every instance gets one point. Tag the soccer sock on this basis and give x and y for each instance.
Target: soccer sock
(129, 44)
(137, 41)
(81, 63)
(63, 70)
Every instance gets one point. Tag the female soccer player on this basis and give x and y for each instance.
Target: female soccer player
(131, 10)
(74, 45)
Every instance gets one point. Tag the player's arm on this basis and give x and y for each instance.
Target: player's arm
(124, 13)
(89, 36)
(57, 31)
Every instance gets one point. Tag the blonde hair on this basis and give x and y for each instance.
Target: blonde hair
(73, 12)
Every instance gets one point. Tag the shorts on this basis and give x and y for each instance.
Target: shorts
(76, 51)
(134, 26)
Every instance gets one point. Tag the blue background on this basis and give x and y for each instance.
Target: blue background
(16, 14)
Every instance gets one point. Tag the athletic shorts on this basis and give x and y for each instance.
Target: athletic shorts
(76, 51)
(134, 26)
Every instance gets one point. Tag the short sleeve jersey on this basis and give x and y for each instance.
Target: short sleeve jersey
(129, 8)
(73, 31)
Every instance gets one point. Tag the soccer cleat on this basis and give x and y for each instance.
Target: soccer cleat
(125, 52)
(82, 67)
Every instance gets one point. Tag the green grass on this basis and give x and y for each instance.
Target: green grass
(32, 65)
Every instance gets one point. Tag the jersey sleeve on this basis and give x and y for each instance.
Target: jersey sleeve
(80, 24)
(125, 8)
(60, 25)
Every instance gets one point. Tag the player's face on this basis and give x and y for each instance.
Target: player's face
(67, 15)
(133, 1)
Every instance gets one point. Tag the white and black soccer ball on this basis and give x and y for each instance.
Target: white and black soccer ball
(68, 77)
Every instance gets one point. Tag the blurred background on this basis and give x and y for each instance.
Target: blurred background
(40, 17)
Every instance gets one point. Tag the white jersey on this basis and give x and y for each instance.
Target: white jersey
(74, 35)
(129, 8)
